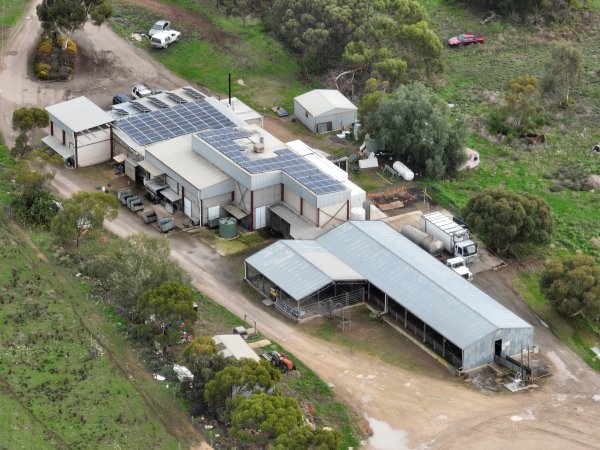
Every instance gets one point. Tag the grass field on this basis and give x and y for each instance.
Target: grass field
(69, 396)
(270, 75)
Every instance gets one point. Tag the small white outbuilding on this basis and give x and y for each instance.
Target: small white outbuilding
(324, 110)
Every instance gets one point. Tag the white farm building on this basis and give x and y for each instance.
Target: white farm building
(371, 262)
(324, 110)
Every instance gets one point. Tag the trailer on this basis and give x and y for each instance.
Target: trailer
(453, 234)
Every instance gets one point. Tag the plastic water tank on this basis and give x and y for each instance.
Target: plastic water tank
(357, 213)
(403, 171)
(228, 228)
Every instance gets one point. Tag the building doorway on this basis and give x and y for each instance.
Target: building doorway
(498, 347)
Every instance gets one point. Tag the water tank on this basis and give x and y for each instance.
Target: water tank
(372, 144)
(228, 228)
(430, 244)
(403, 171)
(357, 213)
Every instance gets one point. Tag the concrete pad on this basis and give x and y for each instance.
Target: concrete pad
(260, 344)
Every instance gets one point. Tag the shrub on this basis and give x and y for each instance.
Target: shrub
(41, 67)
(43, 75)
(45, 48)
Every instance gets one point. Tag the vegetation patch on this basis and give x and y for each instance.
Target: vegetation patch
(58, 370)
(579, 334)
(52, 62)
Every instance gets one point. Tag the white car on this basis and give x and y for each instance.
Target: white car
(162, 39)
(161, 25)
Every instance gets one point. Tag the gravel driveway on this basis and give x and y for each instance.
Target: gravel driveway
(405, 409)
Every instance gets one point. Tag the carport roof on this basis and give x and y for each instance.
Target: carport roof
(448, 303)
(79, 114)
(301, 267)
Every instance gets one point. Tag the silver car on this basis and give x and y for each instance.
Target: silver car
(161, 25)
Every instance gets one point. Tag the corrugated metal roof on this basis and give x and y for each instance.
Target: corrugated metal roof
(324, 101)
(79, 114)
(301, 267)
(445, 301)
(234, 345)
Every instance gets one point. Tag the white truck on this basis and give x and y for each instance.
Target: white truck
(162, 39)
(453, 234)
(460, 267)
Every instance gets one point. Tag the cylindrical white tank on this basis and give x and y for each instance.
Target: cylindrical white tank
(357, 213)
(403, 171)
(432, 245)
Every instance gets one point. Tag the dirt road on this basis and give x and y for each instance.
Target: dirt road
(404, 408)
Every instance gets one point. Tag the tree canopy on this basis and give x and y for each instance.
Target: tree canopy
(388, 39)
(66, 16)
(26, 119)
(129, 267)
(502, 217)
(305, 438)
(204, 366)
(417, 128)
(170, 302)
(572, 284)
(83, 214)
(259, 419)
(32, 203)
(241, 378)
(201, 345)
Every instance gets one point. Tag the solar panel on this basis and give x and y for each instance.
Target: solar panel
(193, 93)
(223, 139)
(158, 102)
(120, 111)
(140, 107)
(176, 98)
(166, 123)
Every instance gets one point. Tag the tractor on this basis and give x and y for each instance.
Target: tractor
(279, 360)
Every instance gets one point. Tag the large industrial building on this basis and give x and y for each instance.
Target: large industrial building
(208, 159)
(371, 262)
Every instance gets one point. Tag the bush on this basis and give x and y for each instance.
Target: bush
(41, 67)
(43, 75)
(45, 48)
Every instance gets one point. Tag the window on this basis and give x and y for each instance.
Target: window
(306, 113)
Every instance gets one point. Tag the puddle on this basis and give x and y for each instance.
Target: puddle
(385, 437)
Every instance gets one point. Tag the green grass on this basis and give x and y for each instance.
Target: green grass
(10, 12)
(45, 359)
(475, 74)
(271, 76)
(244, 242)
(578, 334)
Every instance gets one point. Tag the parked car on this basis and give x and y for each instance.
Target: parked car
(120, 98)
(161, 25)
(164, 38)
(141, 90)
(466, 39)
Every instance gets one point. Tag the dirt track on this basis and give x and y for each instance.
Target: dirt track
(422, 411)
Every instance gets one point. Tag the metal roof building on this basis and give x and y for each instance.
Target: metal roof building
(451, 315)
(324, 110)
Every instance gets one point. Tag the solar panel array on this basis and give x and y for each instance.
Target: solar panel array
(168, 123)
(158, 102)
(193, 92)
(176, 98)
(140, 107)
(286, 160)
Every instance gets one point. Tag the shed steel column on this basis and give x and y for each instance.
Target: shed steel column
(51, 128)
(112, 143)
(76, 159)
(251, 210)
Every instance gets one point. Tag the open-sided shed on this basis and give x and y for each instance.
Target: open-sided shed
(304, 279)
(446, 312)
